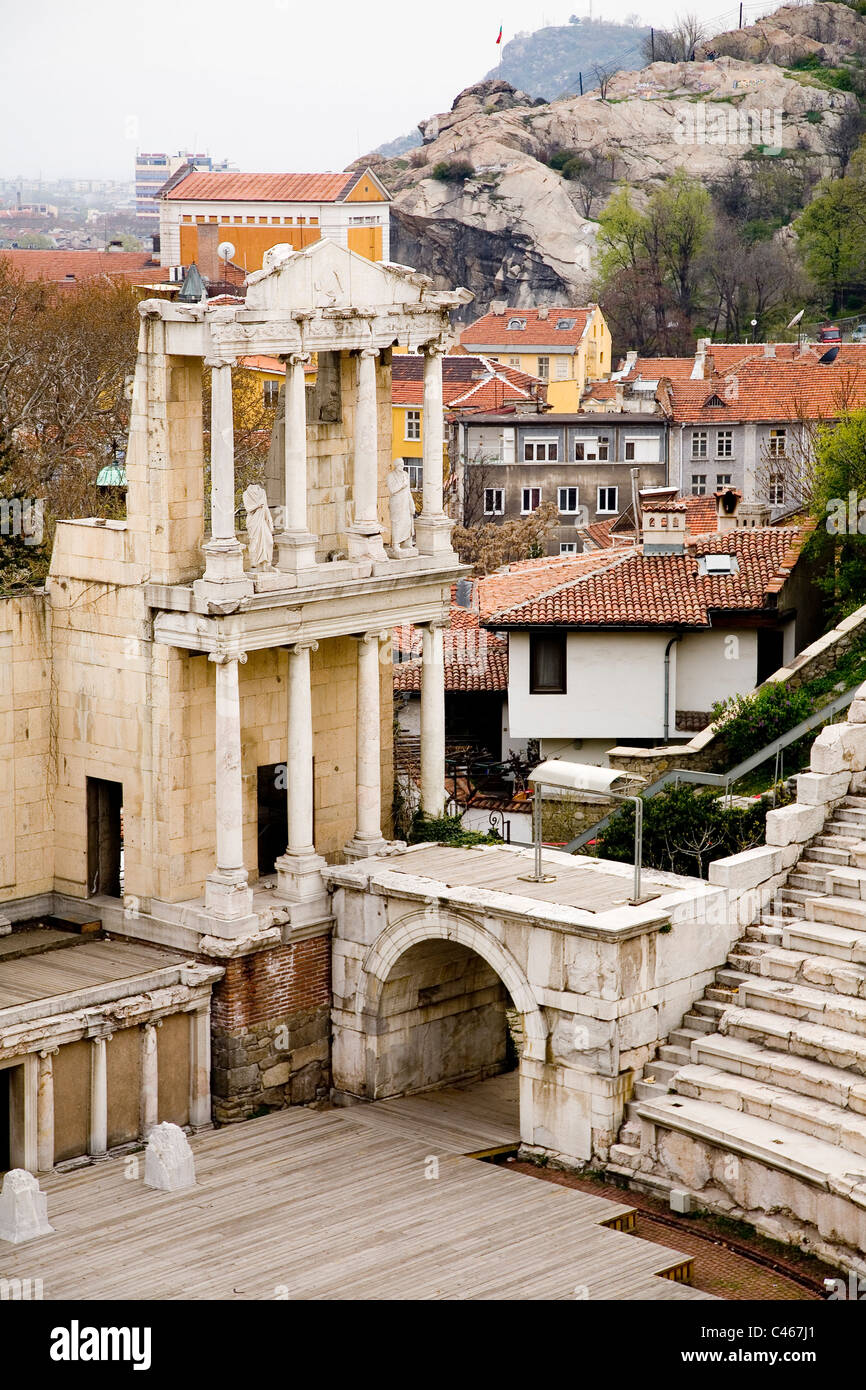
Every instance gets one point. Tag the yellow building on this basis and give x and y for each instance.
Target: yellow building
(563, 346)
(469, 383)
(199, 212)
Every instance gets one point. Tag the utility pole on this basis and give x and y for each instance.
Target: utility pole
(580, 80)
(653, 45)
(740, 25)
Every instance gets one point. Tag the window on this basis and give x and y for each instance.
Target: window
(270, 392)
(517, 323)
(776, 490)
(540, 450)
(416, 474)
(514, 362)
(725, 444)
(568, 499)
(723, 479)
(494, 501)
(641, 450)
(607, 499)
(413, 424)
(568, 547)
(531, 500)
(778, 443)
(544, 368)
(720, 564)
(547, 663)
(564, 325)
(699, 484)
(699, 444)
(562, 367)
(590, 450)
(629, 450)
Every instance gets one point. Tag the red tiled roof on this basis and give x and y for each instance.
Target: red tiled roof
(653, 368)
(492, 330)
(260, 363)
(475, 661)
(525, 578)
(58, 266)
(638, 590)
(768, 389)
(206, 187)
(468, 383)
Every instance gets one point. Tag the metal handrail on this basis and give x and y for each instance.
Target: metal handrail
(727, 779)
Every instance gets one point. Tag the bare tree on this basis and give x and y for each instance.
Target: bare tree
(604, 73)
(675, 45)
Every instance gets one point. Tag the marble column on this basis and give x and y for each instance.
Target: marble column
(299, 869)
(432, 527)
(432, 720)
(227, 894)
(97, 1143)
(365, 533)
(149, 1082)
(45, 1110)
(368, 774)
(295, 543)
(224, 554)
(199, 1067)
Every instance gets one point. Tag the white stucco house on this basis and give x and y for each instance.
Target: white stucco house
(637, 650)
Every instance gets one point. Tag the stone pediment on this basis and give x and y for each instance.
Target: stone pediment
(326, 276)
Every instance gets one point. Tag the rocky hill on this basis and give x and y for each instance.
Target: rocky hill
(547, 62)
(503, 194)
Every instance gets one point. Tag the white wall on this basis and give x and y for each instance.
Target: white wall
(712, 665)
(590, 750)
(408, 715)
(615, 688)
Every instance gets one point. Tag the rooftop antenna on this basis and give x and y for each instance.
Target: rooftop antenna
(796, 320)
(226, 252)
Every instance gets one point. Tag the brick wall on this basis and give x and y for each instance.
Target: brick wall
(271, 984)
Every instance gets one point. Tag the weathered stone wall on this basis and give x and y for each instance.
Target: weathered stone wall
(271, 1030)
(26, 792)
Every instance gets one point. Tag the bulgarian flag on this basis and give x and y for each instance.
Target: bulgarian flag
(499, 35)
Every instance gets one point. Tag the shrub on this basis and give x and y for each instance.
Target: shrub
(750, 722)
(452, 171)
(684, 830)
(447, 830)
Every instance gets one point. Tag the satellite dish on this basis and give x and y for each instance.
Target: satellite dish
(225, 250)
(796, 319)
(829, 356)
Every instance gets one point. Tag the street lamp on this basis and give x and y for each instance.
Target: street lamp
(754, 326)
(585, 777)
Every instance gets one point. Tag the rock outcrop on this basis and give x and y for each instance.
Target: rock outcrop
(480, 205)
(832, 33)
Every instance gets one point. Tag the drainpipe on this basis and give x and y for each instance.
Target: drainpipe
(667, 722)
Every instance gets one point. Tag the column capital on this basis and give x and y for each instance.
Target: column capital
(309, 645)
(435, 348)
(369, 352)
(378, 635)
(434, 624)
(222, 656)
(294, 359)
(45, 1052)
(215, 362)
(150, 1023)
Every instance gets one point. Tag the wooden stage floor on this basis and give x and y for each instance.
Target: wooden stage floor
(338, 1204)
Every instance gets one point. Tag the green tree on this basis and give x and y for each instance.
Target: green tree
(831, 236)
(838, 492)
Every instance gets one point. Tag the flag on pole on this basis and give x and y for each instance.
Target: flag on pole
(499, 35)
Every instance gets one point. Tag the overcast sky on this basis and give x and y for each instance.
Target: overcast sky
(284, 85)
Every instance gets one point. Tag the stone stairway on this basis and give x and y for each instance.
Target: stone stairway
(757, 1103)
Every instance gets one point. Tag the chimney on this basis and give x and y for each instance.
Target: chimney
(699, 370)
(728, 501)
(207, 259)
(663, 527)
(543, 314)
(769, 349)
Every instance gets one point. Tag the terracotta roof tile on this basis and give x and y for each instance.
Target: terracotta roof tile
(524, 578)
(203, 187)
(639, 590)
(468, 383)
(475, 660)
(765, 388)
(59, 266)
(492, 329)
(654, 368)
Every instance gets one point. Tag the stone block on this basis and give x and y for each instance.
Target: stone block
(857, 712)
(815, 788)
(681, 1201)
(790, 824)
(23, 1208)
(840, 748)
(748, 869)
(276, 1076)
(168, 1162)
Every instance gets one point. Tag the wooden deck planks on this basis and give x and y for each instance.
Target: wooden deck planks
(336, 1205)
